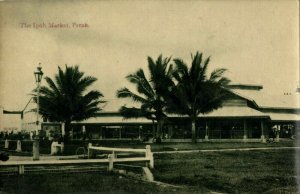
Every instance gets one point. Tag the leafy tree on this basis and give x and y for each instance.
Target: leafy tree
(65, 98)
(150, 92)
(195, 93)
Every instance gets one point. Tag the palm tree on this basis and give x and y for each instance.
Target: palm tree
(65, 98)
(150, 92)
(195, 93)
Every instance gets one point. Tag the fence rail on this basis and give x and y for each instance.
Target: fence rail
(113, 156)
(116, 149)
(110, 160)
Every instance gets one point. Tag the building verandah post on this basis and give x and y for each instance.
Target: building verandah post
(140, 135)
(170, 131)
(101, 133)
(277, 132)
(245, 136)
(63, 132)
(206, 131)
(262, 125)
(120, 133)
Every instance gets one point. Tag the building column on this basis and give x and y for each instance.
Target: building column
(72, 133)
(103, 131)
(140, 132)
(206, 131)
(277, 133)
(100, 135)
(120, 133)
(170, 131)
(63, 132)
(245, 137)
(262, 126)
(83, 132)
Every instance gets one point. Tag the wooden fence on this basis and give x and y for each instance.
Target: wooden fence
(110, 160)
(114, 151)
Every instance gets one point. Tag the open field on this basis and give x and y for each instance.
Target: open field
(263, 171)
(269, 171)
(82, 183)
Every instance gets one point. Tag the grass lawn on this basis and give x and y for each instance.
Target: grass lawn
(268, 171)
(84, 183)
(263, 171)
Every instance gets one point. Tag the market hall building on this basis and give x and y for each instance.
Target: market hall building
(247, 115)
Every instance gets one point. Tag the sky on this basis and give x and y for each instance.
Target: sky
(257, 41)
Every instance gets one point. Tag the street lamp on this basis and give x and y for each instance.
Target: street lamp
(36, 146)
(38, 74)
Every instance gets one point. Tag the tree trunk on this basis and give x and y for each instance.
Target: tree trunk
(194, 138)
(66, 136)
(160, 124)
(153, 129)
(159, 131)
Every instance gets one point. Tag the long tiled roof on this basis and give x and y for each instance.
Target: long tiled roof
(229, 111)
(284, 117)
(114, 119)
(235, 111)
(252, 93)
(263, 99)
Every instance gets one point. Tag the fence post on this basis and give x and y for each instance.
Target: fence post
(110, 162)
(21, 169)
(19, 147)
(149, 155)
(89, 152)
(6, 144)
(151, 163)
(36, 150)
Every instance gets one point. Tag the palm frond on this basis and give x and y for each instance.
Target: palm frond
(151, 92)
(217, 74)
(142, 84)
(63, 100)
(126, 93)
(194, 93)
